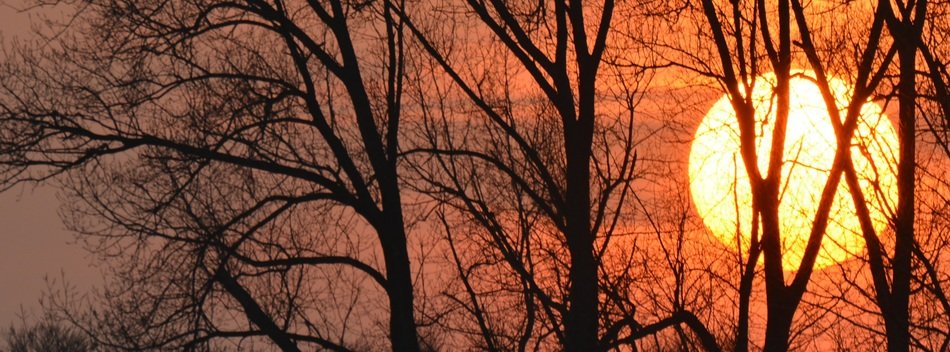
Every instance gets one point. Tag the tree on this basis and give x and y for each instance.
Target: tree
(49, 333)
(47, 336)
(737, 49)
(261, 172)
(232, 153)
(888, 49)
(893, 293)
(542, 173)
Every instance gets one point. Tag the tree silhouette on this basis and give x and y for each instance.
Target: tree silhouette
(738, 68)
(544, 171)
(47, 336)
(891, 46)
(472, 175)
(237, 151)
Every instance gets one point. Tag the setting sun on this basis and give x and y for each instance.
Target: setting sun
(719, 183)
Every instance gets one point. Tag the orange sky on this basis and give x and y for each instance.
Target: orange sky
(33, 241)
(34, 244)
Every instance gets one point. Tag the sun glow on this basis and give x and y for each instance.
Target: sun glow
(720, 187)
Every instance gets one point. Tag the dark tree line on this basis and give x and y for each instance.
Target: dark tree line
(457, 175)
(47, 335)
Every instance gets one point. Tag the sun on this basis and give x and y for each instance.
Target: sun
(719, 184)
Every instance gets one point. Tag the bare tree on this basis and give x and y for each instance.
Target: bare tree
(893, 283)
(737, 46)
(47, 335)
(543, 172)
(259, 172)
(242, 156)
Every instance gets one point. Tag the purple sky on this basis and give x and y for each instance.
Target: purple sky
(33, 241)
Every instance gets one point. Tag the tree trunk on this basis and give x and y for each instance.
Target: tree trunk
(745, 295)
(896, 315)
(392, 234)
(581, 325)
(780, 302)
(779, 325)
(402, 324)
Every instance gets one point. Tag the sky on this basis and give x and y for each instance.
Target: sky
(34, 243)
